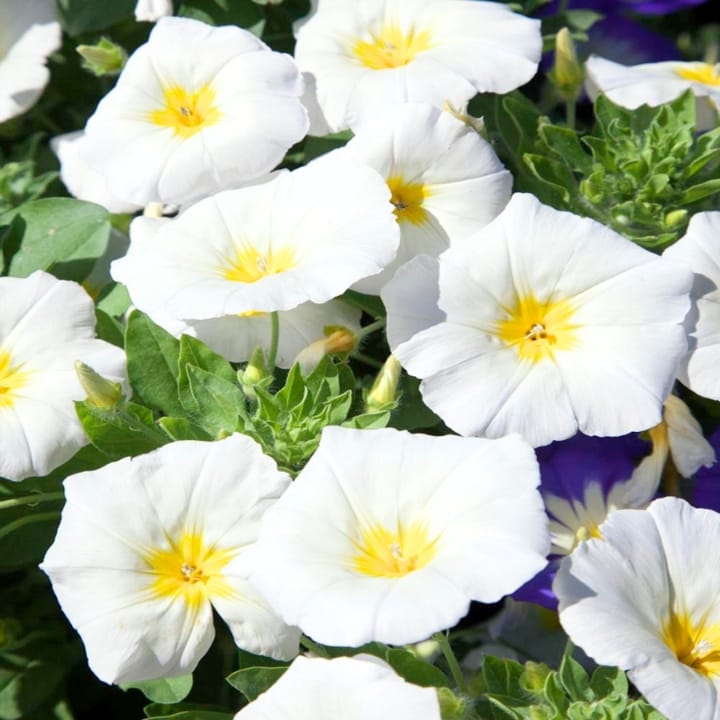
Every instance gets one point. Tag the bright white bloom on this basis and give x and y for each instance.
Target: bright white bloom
(446, 181)
(553, 324)
(643, 598)
(274, 246)
(29, 33)
(148, 546)
(700, 250)
(152, 10)
(388, 536)
(196, 109)
(680, 437)
(351, 688)
(45, 326)
(82, 181)
(657, 83)
(361, 57)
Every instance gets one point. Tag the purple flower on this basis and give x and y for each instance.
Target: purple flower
(582, 479)
(706, 491)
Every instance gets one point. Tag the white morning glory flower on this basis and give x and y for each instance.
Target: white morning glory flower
(699, 249)
(553, 324)
(388, 536)
(196, 109)
(294, 239)
(46, 325)
(642, 598)
(657, 83)
(361, 57)
(152, 10)
(148, 546)
(446, 181)
(29, 33)
(354, 688)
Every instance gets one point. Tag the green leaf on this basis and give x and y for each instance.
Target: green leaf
(163, 690)
(182, 429)
(107, 329)
(574, 679)
(215, 404)
(194, 352)
(192, 715)
(62, 235)
(555, 695)
(222, 12)
(501, 676)
(120, 432)
(26, 683)
(368, 421)
(700, 191)
(565, 144)
(582, 19)
(257, 673)
(607, 681)
(416, 671)
(81, 16)
(152, 364)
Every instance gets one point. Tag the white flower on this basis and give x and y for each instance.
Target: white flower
(553, 324)
(82, 181)
(700, 250)
(152, 10)
(657, 83)
(45, 326)
(388, 536)
(446, 181)
(352, 688)
(644, 599)
(196, 109)
(303, 236)
(29, 33)
(148, 546)
(377, 54)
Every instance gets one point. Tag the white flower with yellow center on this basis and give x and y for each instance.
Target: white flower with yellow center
(353, 688)
(147, 547)
(361, 57)
(29, 33)
(45, 326)
(657, 83)
(445, 181)
(196, 109)
(388, 536)
(550, 324)
(303, 236)
(642, 598)
(699, 249)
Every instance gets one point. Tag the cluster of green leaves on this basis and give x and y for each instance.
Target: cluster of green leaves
(642, 172)
(19, 179)
(511, 691)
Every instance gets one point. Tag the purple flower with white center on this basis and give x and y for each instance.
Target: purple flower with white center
(582, 480)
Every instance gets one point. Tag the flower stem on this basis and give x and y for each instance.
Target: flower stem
(371, 361)
(35, 499)
(274, 339)
(570, 113)
(371, 328)
(447, 651)
(27, 520)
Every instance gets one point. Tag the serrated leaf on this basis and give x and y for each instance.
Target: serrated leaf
(163, 690)
(61, 235)
(152, 364)
(565, 144)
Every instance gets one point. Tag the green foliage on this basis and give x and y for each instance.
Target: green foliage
(642, 172)
(256, 674)
(507, 690)
(18, 181)
(164, 690)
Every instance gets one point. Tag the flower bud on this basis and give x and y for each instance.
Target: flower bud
(568, 74)
(383, 391)
(100, 392)
(105, 58)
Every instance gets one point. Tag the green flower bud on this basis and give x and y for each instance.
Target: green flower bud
(383, 391)
(568, 74)
(100, 392)
(105, 58)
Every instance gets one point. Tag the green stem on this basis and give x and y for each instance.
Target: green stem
(570, 113)
(453, 664)
(563, 7)
(35, 499)
(371, 328)
(371, 361)
(274, 340)
(27, 520)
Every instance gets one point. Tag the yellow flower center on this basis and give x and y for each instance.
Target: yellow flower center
(382, 553)
(703, 73)
(250, 265)
(392, 48)
(537, 329)
(187, 112)
(189, 569)
(697, 646)
(408, 200)
(11, 380)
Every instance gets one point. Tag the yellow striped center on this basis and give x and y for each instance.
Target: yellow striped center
(704, 73)
(382, 553)
(187, 112)
(697, 646)
(537, 329)
(408, 199)
(12, 379)
(250, 265)
(189, 569)
(392, 48)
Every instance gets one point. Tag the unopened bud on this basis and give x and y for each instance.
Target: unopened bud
(100, 392)
(568, 74)
(105, 58)
(477, 124)
(675, 218)
(338, 340)
(384, 389)
(255, 370)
